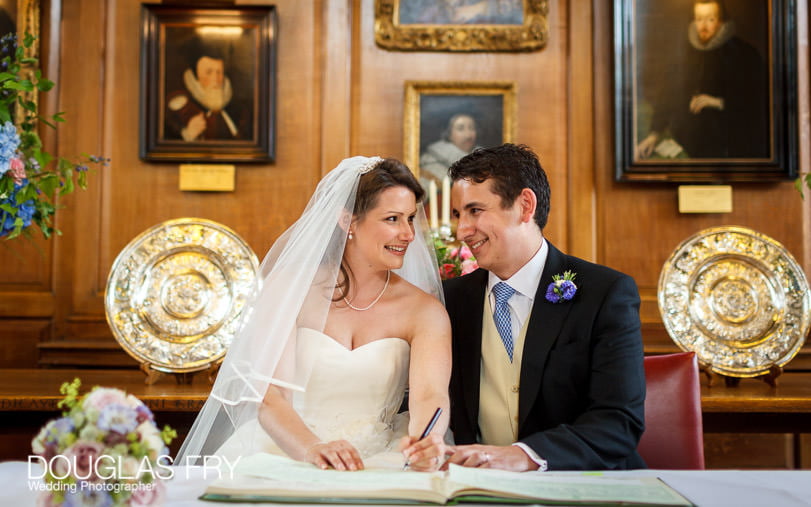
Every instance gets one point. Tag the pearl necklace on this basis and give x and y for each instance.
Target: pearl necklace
(388, 277)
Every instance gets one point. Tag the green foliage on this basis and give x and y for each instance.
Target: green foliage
(804, 180)
(30, 180)
(71, 392)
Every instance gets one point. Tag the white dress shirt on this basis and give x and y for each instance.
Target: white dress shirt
(525, 281)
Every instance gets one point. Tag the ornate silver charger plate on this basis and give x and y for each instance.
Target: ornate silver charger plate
(737, 298)
(175, 293)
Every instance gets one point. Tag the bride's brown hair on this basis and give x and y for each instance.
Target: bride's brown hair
(389, 173)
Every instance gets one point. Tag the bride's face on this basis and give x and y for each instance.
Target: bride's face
(381, 237)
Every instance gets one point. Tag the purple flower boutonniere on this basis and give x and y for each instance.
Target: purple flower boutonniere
(562, 288)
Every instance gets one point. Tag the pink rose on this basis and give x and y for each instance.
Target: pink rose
(82, 456)
(453, 253)
(17, 170)
(469, 266)
(153, 493)
(100, 397)
(465, 253)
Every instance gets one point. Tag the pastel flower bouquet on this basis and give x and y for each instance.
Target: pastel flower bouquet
(30, 178)
(105, 450)
(454, 261)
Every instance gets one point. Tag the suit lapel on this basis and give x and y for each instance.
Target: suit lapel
(470, 341)
(545, 322)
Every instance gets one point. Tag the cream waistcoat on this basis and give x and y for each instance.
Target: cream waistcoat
(499, 383)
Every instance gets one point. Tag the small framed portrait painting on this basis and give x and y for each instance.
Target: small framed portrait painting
(461, 25)
(705, 90)
(444, 121)
(208, 79)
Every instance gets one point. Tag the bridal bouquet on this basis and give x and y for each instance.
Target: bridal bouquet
(30, 179)
(454, 261)
(104, 450)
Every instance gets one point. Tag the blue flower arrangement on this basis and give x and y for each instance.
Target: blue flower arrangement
(562, 288)
(30, 178)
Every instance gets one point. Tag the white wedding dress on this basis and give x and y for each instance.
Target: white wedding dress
(352, 395)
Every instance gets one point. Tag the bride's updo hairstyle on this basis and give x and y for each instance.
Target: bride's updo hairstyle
(388, 173)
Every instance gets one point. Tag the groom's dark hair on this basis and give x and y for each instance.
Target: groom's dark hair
(512, 168)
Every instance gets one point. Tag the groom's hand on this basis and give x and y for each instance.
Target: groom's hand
(425, 455)
(503, 457)
(338, 454)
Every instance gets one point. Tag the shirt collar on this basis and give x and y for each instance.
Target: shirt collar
(526, 279)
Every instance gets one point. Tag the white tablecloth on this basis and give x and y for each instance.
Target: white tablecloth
(739, 488)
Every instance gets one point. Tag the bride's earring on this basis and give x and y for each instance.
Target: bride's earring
(350, 234)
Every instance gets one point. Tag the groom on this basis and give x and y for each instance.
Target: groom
(541, 379)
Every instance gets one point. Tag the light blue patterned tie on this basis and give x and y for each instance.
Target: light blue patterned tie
(501, 315)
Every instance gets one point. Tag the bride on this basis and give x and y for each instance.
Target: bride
(348, 316)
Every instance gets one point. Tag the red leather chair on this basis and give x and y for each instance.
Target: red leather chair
(673, 437)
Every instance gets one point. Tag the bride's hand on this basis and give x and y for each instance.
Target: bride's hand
(425, 455)
(338, 454)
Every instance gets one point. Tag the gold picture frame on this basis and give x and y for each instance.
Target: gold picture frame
(432, 107)
(485, 25)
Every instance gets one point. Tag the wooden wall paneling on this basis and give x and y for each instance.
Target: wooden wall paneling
(81, 87)
(638, 225)
(130, 195)
(339, 94)
(26, 288)
(542, 82)
(804, 130)
(26, 303)
(582, 190)
(19, 339)
(803, 358)
(336, 81)
(749, 451)
(805, 450)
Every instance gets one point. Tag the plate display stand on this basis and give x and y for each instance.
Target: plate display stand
(770, 377)
(185, 378)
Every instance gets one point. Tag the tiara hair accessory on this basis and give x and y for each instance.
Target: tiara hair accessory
(369, 165)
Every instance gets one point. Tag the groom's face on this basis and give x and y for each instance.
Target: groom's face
(488, 228)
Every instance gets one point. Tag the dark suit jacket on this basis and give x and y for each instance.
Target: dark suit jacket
(581, 404)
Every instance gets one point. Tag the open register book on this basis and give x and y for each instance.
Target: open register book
(268, 478)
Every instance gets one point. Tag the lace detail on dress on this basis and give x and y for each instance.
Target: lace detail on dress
(354, 395)
(367, 435)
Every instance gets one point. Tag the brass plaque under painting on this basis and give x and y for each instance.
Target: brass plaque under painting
(175, 294)
(737, 298)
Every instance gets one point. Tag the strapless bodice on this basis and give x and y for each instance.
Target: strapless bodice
(349, 395)
(352, 394)
(369, 380)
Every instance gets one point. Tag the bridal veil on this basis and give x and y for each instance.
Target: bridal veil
(298, 278)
